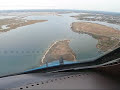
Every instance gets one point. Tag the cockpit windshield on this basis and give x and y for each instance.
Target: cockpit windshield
(35, 36)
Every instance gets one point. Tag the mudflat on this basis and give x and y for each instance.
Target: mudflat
(108, 38)
(58, 50)
(96, 29)
(15, 23)
(18, 19)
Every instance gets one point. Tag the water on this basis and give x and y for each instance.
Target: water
(6, 17)
(21, 49)
(4, 27)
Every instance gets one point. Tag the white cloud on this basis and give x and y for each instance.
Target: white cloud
(103, 5)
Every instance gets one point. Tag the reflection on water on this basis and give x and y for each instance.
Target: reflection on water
(23, 48)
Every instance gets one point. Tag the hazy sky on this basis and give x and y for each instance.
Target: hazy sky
(103, 5)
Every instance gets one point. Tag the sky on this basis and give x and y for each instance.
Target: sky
(99, 5)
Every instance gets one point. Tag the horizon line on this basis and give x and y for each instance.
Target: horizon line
(60, 9)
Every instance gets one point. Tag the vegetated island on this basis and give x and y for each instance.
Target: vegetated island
(13, 23)
(58, 50)
(108, 38)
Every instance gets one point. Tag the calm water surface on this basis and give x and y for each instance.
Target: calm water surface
(21, 49)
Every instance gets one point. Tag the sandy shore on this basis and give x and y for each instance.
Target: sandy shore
(59, 49)
(107, 37)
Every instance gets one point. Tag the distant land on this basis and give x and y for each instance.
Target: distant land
(13, 20)
(108, 38)
(8, 24)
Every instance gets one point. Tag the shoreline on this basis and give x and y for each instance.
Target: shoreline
(17, 23)
(96, 29)
(107, 37)
(56, 55)
(48, 50)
